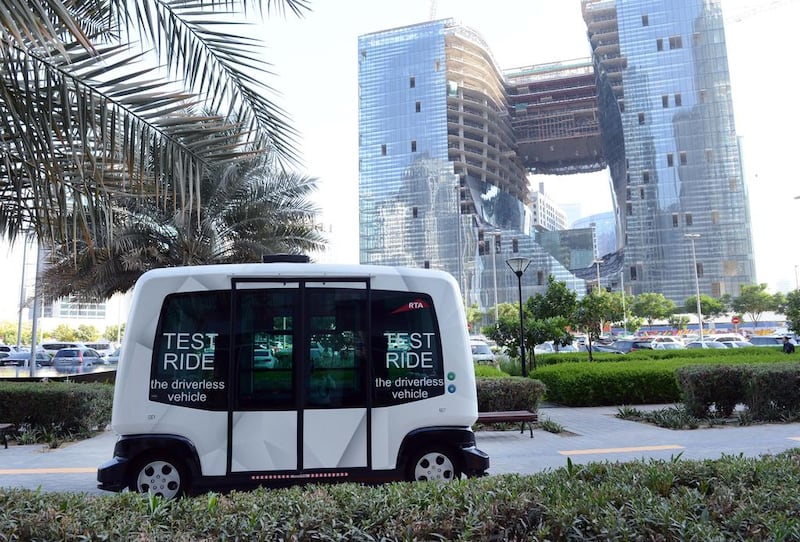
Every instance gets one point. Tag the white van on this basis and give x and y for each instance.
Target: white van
(194, 410)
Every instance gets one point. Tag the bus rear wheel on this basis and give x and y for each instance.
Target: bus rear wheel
(159, 475)
(435, 464)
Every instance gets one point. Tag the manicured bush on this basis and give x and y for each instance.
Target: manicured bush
(720, 386)
(773, 390)
(509, 393)
(733, 498)
(594, 384)
(60, 408)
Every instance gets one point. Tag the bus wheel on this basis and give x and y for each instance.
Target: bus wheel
(159, 475)
(433, 464)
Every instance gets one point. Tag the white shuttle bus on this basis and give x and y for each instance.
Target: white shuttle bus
(234, 376)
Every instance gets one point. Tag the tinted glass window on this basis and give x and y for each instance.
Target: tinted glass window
(190, 351)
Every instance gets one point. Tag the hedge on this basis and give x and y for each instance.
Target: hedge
(63, 408)
(509, 393)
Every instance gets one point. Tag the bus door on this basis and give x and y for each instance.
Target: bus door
(335, 414)
(299, 401)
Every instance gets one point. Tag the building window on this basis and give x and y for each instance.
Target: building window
(418, 106)
(629, 208)
(716, 289)
(678, 100)
(383, 149)
(412, 82)
(670, 160)
(621, 106)
(641, 118)
(675, 42)
(633, 272)
(659, 44)
(645, 20)
(664, 101)
(539, 278)
(628, 194)
(734, 184)
(497, 244)
(682, 156)
(699, 269)
(413, 145)
(645, 176)
(688, 219)
(641, 193)
(674, 220)
(427, 264)
(703, 96)
(414, 212)
(715, 217)
(709, 155)
(514, 245)
(436, 65)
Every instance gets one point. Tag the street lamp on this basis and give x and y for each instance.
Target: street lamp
(691, 237)
(518, 265)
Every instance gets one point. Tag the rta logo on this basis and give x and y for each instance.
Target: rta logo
(416, 305)
(411, 306)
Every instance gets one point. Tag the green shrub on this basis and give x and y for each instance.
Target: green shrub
(722, 386)
(510, 393)
(594, 384)
(56, 409)
(773, 391)
(733, 498)
(489, 371)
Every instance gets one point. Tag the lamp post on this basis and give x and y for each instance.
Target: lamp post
(624, 312)
(494, 268)
(518, 265)
(691, 237)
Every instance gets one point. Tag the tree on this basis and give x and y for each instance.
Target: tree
(249, 210)
(792, 310)
(753, 300)
(709, 306)
(652, 306)
(474, 316)
(589, 315)
(82, 113)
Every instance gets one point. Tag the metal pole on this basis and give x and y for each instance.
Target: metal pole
(521, 327)
(692, 237)
(22, 291)
(494, 267)
(624, 312)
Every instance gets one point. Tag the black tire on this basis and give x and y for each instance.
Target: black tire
(159, 474)
(435, 463)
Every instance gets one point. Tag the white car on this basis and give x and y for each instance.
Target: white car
(481, 353)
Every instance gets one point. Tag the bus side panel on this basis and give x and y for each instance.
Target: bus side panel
(335, 438)
(264, 441)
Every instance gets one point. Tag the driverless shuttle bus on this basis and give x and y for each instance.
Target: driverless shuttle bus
(233, 376)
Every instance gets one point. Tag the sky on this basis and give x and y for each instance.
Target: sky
(316, 71)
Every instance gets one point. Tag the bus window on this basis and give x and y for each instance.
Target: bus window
(406, 348)
(190, 352)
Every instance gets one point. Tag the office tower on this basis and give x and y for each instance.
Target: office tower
(441, 184)
(447, 140)
(671, 146)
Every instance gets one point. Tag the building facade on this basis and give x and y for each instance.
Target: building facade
(671, 146)
(447, 141)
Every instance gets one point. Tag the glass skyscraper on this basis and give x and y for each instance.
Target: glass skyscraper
(447, 139)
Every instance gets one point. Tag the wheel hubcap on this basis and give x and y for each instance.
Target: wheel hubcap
(159, 478)
(434, 466)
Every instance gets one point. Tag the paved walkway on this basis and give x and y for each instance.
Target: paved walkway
(592, 434)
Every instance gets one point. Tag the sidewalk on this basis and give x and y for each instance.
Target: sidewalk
(592, 434)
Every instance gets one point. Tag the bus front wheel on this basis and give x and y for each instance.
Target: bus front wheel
(436, 464)
(160, 475)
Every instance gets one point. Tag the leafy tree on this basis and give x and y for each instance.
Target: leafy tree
(678, 321)
(652, 306)
(709, 306)
(114, 332)
(754, 300)
(249, 210)
(86, 333)
(590, 313)
(792, 310)
(558, 300)
(474, 316)
(62, 332)
(82, 115)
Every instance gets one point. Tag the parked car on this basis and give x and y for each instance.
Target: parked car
(51, 347)
(481, 353)
(705, 344)
(113, 357)
(263, 358)
(766, 340)
(667, 339)
(76, 358)
(629, 345)
(669, 345)
(736, 344)
(104, 348)
(23, 359)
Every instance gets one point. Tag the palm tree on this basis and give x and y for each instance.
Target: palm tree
(249, 209)
(82, 111)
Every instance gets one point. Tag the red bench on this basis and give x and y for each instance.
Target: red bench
(524, 417)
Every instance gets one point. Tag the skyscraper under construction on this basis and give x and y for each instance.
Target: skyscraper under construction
(447, 140)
